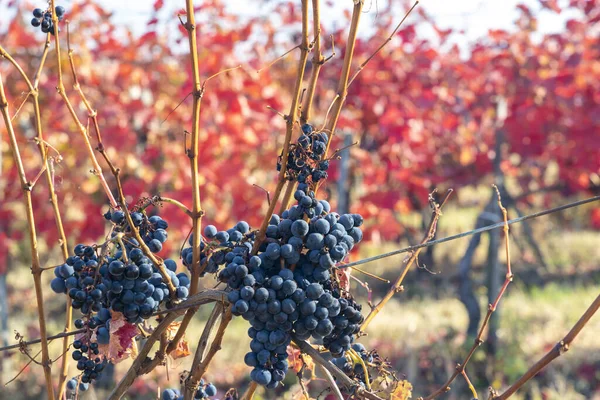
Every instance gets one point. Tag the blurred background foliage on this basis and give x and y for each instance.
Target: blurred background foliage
(518, 108)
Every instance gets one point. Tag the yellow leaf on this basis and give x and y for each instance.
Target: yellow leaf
(403, 391)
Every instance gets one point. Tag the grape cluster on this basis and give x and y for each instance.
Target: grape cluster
(289, 288)
(119, 279)
(88, 360)
(135, 287)
(73, 383)
(43, 19)
(78, 278)
(205, 391)
(305, 161)
(220, 247)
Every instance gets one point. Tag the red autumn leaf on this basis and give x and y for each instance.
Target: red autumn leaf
(122, 339)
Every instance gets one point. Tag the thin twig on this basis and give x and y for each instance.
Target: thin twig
(258, 71)
(335, 371)
(342, 89)
(60, 88)
(31, 360)
(559, 349)
(249, 393)
(288, 195)
(334, 387)
(436, 213)
(204, 338)
(389, 39)
(491, 308)
(36, 341)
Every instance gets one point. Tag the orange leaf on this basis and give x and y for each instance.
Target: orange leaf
(297, 360)
(182, 349)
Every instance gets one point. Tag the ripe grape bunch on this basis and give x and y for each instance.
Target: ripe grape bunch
(290, 288)
(305, 161)
(116, 278)
(43, 19)
(204, 391)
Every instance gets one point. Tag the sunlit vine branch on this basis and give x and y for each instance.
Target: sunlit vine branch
(35, 257)
(140, 363)
(430, 233)
(460, 368)
(291, 119)
(317, 62)
(199, 368)
(342, 88)
(60, 88)
(389, 39)
(559, 349)
(47, 170)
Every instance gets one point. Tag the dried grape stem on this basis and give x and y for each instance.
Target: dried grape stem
(36, 270)
(306, 348)
(290, 122)
(436, 213)
(460, 368)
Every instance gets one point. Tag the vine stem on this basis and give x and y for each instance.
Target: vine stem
(342, 89)
(192, 154)
(389, 39)
(249, 393)
(60, 88)
(460, 368)
(201, 362)
(35, 258)
(287, 196)
(290, 119)
(396, 287)
(559, 349)
(140, 365)
(41, 144)
(317, 62)
(198, 91)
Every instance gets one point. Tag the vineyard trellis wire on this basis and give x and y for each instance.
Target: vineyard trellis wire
(198, 297)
